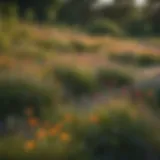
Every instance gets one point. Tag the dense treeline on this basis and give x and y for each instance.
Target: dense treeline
(137, 21)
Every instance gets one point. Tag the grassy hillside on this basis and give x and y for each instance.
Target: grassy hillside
(44, 73)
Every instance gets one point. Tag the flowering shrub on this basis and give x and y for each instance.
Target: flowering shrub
(115, 134)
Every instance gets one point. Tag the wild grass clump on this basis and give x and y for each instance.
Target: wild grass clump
(102, 27)
(113, 78)
(5, 42)
(54, 45)
(147, 60)
(17, 93)
(78, 82)
(75, 81)
(79, 46)
(141, 60)
(124, 58)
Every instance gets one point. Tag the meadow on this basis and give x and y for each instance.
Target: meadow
(52, 82)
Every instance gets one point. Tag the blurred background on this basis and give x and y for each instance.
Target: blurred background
(80, 79)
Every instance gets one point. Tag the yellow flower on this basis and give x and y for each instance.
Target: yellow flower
(65, 137)
(41, 133)
(29, 145)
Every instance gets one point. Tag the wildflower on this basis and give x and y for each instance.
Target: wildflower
(33, 122)
(41, 133)
(29, 145)
(65, 137)
(59, 126)
(93, 119)
(53, 131)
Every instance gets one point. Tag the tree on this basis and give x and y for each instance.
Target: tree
(76, 11)
(38, 6)
(153, 9)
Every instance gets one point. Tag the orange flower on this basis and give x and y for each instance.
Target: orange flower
(33, 122)
(53, 131)
(94, 119)
(41, 133)
(29, 145)
(59, 126)
(65, 137)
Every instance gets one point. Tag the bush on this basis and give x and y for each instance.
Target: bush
(113, 134)
(54, 45)
(74, 81)
(16, 94)
(142, 60)
(121, 137)
(125, 58)
(114, 78)
(147, 60)
(82, 47)
(139, 28)
(5, 42)
(101, 27)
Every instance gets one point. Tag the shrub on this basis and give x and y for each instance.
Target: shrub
(125, 58)
(139, 28)
(101, 27)
(5, 42)
(109, 77)
(146, 60)
(17, 93)
(54, 45)
(142, 60)
(79, 46)
(75, 82)
(121, 137)
(114, 135)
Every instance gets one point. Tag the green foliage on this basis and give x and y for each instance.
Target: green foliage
(17, 93)
(54, 45)
(29, 15)
(79, 46)
(116, 135)
(113, 78)
(101, 27)
(125, 58)
(139, 28)
(75, 81)
(119, 136)
(141, 60)
(147, 60)
(5, 42)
